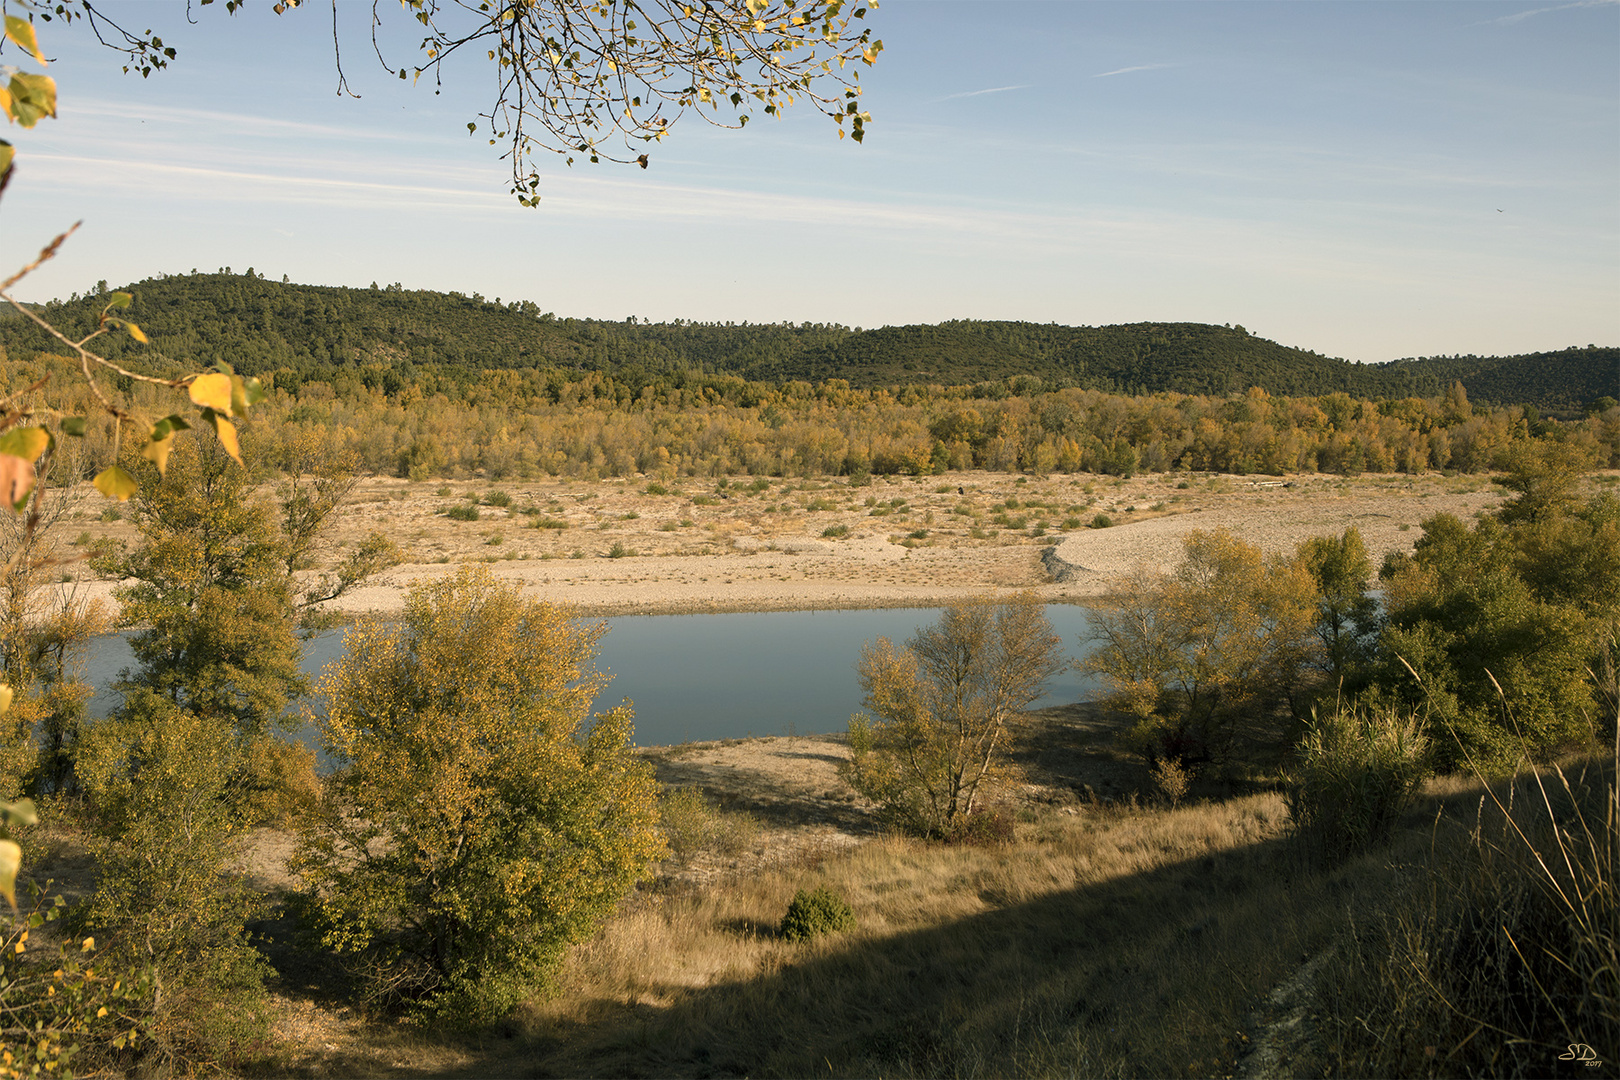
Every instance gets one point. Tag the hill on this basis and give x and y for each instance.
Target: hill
(306, 330)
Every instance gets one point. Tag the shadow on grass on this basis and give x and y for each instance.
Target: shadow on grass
(1152, 973)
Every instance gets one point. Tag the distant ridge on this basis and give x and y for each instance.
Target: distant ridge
(259, 325)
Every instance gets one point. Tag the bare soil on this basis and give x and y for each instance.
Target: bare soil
(906, 541)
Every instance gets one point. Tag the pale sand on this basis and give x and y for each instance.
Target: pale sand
(765, 551)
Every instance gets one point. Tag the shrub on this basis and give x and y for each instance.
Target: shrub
(812, 914)
(692, 826)
(657, 489)
(705, 500)
(1071, 523)
(466, 881)
(835, 532)
(982, 828)
(1101, 521)
(497, 498)
(548, 523)
(1358, 771)
(112, 513)
(1172, 780)
(618, 550)
(462, 513)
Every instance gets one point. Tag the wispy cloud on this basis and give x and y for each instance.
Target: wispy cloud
(1128, 70)
(1520, 16)
(992, 90)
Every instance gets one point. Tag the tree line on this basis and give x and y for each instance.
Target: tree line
(514, 424)
(307, 332)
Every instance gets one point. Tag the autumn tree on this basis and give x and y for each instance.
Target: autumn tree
(1199, 651)
(479, 820)
(942, 706)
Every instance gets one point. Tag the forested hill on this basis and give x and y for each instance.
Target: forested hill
(306, 330)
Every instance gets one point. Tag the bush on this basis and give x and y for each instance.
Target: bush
(1358, 771)
(657, 489)
(692, 826)
(835, 532)
(548, 523)
(462, 513)
(982, 828)
(619, 551)
(812, 914)
(467, 880)
(497, 498)
(1101, 521)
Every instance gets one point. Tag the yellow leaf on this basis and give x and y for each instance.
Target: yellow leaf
(16, 480)
(10, 863)
(5, 697)
(22, 32)
(136, 332)
(227, 437)
(115, 483)
(157, 452)
(211, 391)
(5, 104)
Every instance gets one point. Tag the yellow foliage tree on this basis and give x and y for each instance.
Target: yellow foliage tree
(1194, 651)
(474, 828)
(943, 705)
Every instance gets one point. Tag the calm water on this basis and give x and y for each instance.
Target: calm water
(716, 676)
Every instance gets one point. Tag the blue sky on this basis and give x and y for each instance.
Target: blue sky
(1369, 180)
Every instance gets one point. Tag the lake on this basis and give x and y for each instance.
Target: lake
(696, 677)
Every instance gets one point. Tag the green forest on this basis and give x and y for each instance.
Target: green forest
(316, 333)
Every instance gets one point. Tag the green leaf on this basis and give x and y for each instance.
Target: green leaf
(115, 483)
(32, 96)
(25, 442)
(120, 300)
(73, 425)
(255, 391)
(21, 812)
(6, 154)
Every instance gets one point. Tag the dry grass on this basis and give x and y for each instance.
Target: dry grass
(1100, 943)
(1106, 940)
(1504, 954)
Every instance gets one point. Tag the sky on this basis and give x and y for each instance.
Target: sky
(1367, 180)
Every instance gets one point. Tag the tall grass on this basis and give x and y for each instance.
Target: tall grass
(1358, 771)
(1504, 951)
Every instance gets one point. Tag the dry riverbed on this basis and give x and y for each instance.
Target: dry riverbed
(621, 547)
